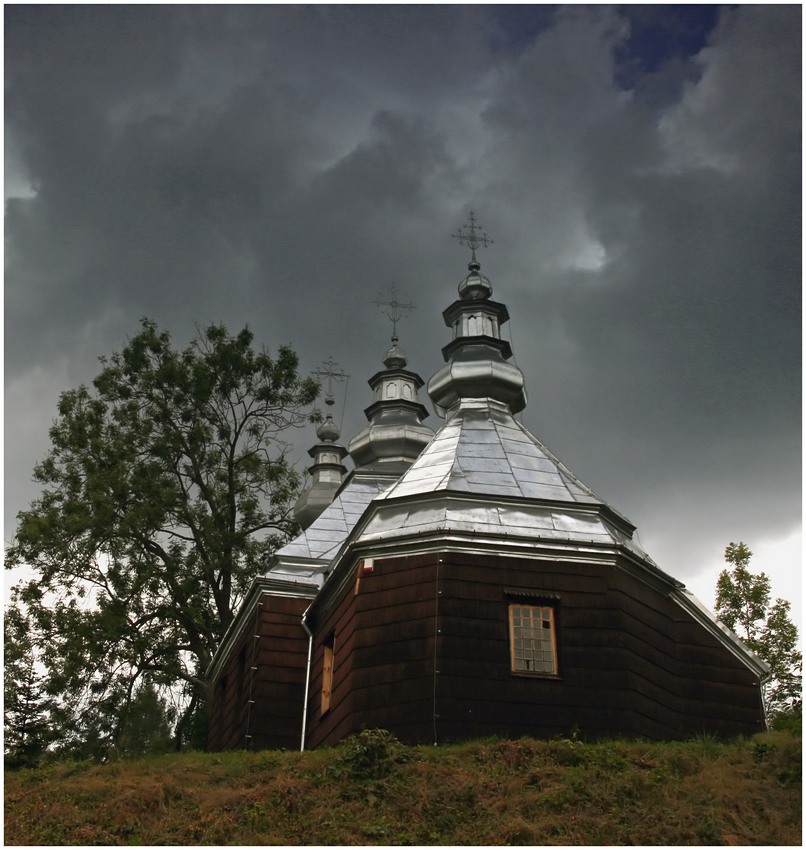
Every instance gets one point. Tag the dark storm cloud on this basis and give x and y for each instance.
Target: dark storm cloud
(152, 189)
(638, 168)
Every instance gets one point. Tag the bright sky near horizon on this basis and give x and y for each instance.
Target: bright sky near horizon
(639, 168)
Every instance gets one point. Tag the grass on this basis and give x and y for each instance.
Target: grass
(373, 790)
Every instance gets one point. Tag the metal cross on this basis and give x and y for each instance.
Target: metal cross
(394, 313)
(472, 235)
(329, 371)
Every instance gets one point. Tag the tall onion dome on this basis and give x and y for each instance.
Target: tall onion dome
(327, 469)
(395, 435)
(476, 359)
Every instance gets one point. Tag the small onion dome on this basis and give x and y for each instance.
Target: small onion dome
(328, 431)
(395, 358)
(475, 287)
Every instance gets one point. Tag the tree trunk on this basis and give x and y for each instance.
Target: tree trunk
(183, 721)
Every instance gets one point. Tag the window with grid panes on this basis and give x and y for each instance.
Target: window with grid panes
(533, 640)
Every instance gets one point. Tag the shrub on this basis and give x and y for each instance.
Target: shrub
(788, 721)
(372, 754)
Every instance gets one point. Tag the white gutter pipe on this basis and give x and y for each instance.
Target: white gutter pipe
(307, 683)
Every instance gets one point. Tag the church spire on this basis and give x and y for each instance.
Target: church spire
(475, 285)
(395, 358)
(477, 357)
(395, 434)
(327, 469)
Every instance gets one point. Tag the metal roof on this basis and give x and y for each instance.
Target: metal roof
(322, 539)
(486, 475)
(483, 449)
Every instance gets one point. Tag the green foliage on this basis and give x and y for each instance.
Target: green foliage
(146, 725)
(165, 489)
(790, 720)
(371, 754)
(743, 605)
(26, 707)
(193, 731)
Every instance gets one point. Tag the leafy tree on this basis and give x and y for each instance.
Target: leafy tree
(27, 724)
(146, 726)
(743, 605)
(165, 489)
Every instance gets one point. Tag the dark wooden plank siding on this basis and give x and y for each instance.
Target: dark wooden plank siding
(259, 695)
(614, 631)
(389, 624)
(621, 671)
(422, 648)
(716, 690)
(338, 627)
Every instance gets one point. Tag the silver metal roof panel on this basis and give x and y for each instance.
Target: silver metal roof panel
(578, 523)
(530, 461)
(432, 514)
(330, 524)
(517, 518)
(322, 539)
(316, 535)
(432, 472)
(476, 516)
(507, 484)
(485, 463)
(490, 453)
(532, 476)
(544, 491)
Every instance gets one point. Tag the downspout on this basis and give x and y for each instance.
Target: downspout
(307, 682)
(435, 715)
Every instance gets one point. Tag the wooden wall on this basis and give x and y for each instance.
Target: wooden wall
(423, 650)
(259, 694)
(383, 654)
(631, 661)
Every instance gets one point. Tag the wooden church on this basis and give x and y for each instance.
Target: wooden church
(465, 583)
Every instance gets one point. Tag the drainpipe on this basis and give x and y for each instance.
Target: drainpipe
(437, 633)
(307, 682)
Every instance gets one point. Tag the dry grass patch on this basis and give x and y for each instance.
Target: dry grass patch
(373, 790)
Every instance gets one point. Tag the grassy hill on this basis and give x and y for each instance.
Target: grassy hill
(373, 790)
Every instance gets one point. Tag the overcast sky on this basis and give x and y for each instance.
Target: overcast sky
(638, 167)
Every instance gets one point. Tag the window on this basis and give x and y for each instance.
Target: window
(327, 673)
(532, 639)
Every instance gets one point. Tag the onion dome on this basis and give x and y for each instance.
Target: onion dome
(475, 285)
(395, 434)
(395, 358)
(476, 359)
(328, 431)
(327, 469)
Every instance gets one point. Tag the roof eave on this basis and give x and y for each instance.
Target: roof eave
(447, 539)
(260, 587)
(689, 602)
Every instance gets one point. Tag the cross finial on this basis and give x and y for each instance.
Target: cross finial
(472, 235)
(329, 371)
(394, 308)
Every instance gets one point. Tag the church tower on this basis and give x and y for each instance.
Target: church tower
(327, 470)
(395, 435)
(382, 451)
